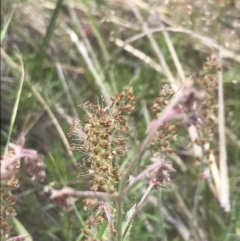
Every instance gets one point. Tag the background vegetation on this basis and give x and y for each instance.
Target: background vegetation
(69, 52)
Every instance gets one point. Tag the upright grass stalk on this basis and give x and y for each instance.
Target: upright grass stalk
(15, 108)
(137, 53)
(66, 89)
(193, 220)
(43, 102)
(76, 211)
(52, 117)
(224, 188)
(46, 40)
(102, 44)
(235, 219)
(88, 54)
(5, 28)
(138, 207)
(155, 46)
(83, 50)
(161, 218)
(172, 51)
(87, 43)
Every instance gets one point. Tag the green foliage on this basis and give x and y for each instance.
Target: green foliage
(102, 229)
(21, 229)
(5, 28)
(42, 41)
(235, 220)
(127, 223)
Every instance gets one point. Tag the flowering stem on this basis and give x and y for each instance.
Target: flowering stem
(161, 220)
(141, 176)
(166, 115)
(119, 219)
(102, 195)
(195, 208)
(126, 191)
(139, 205)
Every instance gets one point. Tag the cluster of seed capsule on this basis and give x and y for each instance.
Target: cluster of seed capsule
(92, 227)
(8, 200)
(166, 93)
(166, 133)
(102, 144)
(209, 84)
(101, 136)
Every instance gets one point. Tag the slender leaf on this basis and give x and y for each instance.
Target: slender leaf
(14, 114)
(5, 28)
(127, 222)
(21, 229)
(102, 229)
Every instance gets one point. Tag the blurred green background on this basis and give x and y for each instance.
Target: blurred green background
(76, 51)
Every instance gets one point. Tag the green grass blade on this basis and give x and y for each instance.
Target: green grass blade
(21, 229)
(127, 224)
(102, 229)
(15, 108)
(46, 40)
(5, 28)
(235, 219)
(102, 43)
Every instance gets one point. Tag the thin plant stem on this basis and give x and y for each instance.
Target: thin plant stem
(140, 176)
(138, 207)
(47, 39)
(193, 220)
(161, 219)
(126, 191)
(209, 42)
(43, 102)
(15, 108)
(53, 118)
(87, 43)
(66, 89)
(155, 46)
(102, 44)
(5, 28)
(172, 50)
(92, 194)
(84, 52)
(224, 188)
(235, 219)
(119, 220)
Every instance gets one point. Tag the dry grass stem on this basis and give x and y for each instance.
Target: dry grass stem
(83, 50)
(224, 197)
